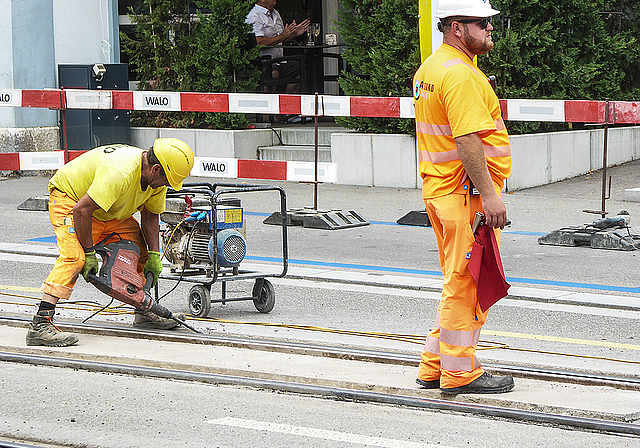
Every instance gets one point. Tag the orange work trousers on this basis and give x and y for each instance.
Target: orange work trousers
(449, 352)
(69, 264)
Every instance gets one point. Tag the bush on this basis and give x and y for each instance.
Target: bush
(550, 49)
(383, 48)
(544, 49)
(180, 50)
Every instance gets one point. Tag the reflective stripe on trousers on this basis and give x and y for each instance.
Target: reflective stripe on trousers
(449, 352)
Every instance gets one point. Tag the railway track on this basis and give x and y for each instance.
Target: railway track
(338, 393)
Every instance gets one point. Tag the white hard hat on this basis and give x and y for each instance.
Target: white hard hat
(466, 8)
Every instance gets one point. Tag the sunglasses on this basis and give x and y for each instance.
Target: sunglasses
(484, 22)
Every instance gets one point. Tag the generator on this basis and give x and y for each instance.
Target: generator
(203, 233)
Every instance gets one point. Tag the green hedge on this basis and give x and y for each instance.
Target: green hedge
(544, 49)
(181, 51)
(383, 49)
(564, 49)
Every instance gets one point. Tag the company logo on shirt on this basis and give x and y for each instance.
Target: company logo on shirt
(422, 89)
(416, 90)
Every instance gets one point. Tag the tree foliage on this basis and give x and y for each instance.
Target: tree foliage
(564, 49)
(544, 49)
(383, 48)
(199, 46)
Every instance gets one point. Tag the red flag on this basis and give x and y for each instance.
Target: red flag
(485, 266)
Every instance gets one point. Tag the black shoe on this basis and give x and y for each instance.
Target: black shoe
(42, 331)
(486, 384)
(149, 321)
(428, 384)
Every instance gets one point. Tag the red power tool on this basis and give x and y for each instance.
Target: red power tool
(119, 278)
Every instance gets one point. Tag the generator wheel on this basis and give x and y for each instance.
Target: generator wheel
(264, 298)
(199, 301)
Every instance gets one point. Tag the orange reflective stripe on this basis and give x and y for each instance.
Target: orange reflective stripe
(438, 157)
(432, 345)
(497, 151)
(444, 129)
(450, 156)
(433, 129)
(455, 363)
(458, 61)
(460, 338)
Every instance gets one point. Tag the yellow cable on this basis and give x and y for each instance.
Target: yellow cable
(409, 338)
(166, 246)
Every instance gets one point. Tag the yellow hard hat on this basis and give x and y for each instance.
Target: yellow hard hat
(176, 159)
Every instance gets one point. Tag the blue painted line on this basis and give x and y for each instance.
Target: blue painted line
(347, 265)
(368, 267)
(45, 239)
(533, 281)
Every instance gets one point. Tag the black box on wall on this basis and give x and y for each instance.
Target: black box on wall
(87, 129)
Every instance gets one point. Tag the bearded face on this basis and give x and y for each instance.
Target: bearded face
(476, 39)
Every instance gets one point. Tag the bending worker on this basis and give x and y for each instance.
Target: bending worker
(94, 195)
(462, 143)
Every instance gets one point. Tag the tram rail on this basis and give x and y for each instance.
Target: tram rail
(498, 411)
(627, 382)
(337, 393)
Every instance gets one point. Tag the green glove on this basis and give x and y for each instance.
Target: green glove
(153, 265)
(90, 264)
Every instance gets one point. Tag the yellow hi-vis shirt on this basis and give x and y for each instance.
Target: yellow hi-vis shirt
(454, 98)
(111, 176)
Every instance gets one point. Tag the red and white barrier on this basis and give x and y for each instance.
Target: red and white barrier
(577, 111)
(620, 112)
(203, 166)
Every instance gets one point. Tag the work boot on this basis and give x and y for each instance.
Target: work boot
(486, 384)
(42, 331)
(434, 384)
(149, 321)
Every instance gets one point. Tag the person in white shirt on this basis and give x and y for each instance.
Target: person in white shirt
(270, 30)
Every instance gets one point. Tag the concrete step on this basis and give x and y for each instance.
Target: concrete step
(294, 153)
(632, 194)
(304, 135)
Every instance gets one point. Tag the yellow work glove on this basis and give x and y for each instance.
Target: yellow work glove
(153, 265)
(90, 264)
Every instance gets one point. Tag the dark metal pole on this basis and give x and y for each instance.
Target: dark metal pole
(315, 164)
(604, 157)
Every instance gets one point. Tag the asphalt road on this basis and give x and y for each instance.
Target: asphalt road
(70, 407)
(76, 408)
(534, 212)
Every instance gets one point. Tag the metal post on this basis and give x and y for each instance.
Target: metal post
(604, 158)
(315, 160)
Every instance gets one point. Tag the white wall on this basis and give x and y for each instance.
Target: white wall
(6, 60)
(26, 57)
(539, 159)
(37, 35)
(84, 31)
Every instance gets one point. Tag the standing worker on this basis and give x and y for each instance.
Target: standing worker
(94, 195)
(462, 143)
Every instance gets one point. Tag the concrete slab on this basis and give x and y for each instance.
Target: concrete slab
(632, 194)
(296, 153)
(542, 396)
